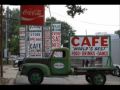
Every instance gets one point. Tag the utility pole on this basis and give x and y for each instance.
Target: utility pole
(1, 33)
(6, 35)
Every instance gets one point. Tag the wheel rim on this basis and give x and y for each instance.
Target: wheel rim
(98, 79)
(35, 77)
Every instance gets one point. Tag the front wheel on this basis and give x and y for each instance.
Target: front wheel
(88, 79)
(35, 77)
(99, 79)
(117, 72)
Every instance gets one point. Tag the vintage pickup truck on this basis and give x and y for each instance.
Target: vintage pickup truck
(60, 65)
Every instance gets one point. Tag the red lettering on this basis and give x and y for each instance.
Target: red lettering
(85, 42)
(104, 41)
(94, 40)
(73, 41)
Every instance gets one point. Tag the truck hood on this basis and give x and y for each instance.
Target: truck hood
(37, 60)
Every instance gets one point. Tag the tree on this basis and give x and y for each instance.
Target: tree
(66, 29)
(13, 30)
(74, 9)
(117, 32)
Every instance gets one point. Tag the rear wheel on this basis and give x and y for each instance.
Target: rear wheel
(35, 77)
(99, 79)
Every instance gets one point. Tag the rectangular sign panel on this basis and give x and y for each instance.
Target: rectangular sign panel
(35, 45)
(32, 14)
(35, 28)
(56, 35)
(89, 45)
(47, 39)
(22, 40)
(56, 39)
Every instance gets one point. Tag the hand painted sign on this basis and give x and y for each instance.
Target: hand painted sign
(47, 40)
(56, 35)
(89, 45)
(35, 43)
(22, 40)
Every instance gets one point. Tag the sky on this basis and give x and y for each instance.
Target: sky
(97, 18)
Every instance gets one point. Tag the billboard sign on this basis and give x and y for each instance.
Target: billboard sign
(56, 35)
(89, 46)
(32, 14)
(35, 45)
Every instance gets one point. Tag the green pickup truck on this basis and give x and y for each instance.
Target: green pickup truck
(59, 64)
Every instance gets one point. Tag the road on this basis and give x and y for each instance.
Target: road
(70, 80)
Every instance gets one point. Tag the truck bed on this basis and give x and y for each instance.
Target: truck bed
(86, 70)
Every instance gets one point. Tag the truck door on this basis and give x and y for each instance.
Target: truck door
(59, 63)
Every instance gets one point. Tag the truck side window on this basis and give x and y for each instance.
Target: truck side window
(59, 54)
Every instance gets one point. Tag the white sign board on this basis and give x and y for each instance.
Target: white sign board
(59, 65)
(35, 45)
(89, 46)
(56, 27)
(35, 28)
(22, 40)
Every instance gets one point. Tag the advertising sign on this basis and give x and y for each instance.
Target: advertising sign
(35, 44)
(35, 28)
(32, 14)
(56, 27)
(56, 39)
(22, 32)
(56, 35)
(47, 39)
(89, 46)
(22, 40)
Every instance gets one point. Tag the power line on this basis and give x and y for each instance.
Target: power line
(86, 21)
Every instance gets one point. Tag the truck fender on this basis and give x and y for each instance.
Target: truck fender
(44, 68)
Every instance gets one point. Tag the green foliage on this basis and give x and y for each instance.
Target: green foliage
(74, 9)
(13, 31)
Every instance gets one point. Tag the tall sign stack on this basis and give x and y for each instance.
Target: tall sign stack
(22, 41)
(47, 35)
(32, 17)
(35, 42)
(56, 37)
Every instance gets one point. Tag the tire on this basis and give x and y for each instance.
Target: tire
(117, 72)
(20, 67)
(88, 79)
(20, 63)
(99, 79)
(35, 77)
(113, 73)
